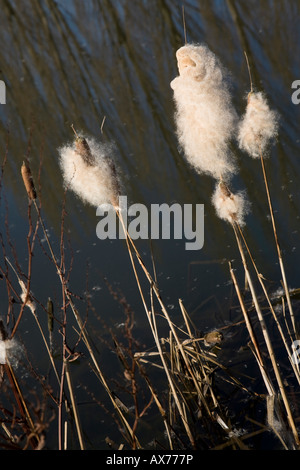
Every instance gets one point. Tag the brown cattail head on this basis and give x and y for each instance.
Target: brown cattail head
(50, 314)
(83, 149)
(225, 191)
(226, 194)
(28, 180)
(116, 190)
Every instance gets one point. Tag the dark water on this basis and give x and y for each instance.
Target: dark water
(76, 62)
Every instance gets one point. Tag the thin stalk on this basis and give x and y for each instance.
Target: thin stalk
(60, 402)
(35, 317)
(74, 406)
(46, 344)
(285, 285)
(257, 355)
(33, 436)
(260, 278)
(160, 408)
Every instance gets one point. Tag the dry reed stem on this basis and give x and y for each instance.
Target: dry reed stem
(260, 278)
(258, 355)
(28, 425)
(191, 371)
(74, 406)
(151, 318)
(268, 341)
(286, 289)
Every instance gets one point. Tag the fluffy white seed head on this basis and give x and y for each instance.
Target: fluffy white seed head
(9, 348)
(258, 126)
(205, 117)
(95, 182)
(230, 207)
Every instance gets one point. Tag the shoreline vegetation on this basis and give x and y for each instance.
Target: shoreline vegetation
(193, 413)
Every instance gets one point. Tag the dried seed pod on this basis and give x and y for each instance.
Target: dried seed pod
(115, 183)
(227, 196)
(28, 180)
(50, 315)
(83, 149)
(225, 191)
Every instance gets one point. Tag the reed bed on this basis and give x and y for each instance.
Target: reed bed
(193, 412)
(256, 130)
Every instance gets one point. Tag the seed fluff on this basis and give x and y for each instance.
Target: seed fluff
(205, 117)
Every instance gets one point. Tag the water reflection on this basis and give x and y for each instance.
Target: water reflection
(73, 62)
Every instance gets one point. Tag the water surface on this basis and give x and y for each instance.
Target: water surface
(72, 62)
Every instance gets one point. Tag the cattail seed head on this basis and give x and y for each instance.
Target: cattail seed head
(28, 180)
(9, 348)
(205, 117)
(93, 177)
(230, 207)
(258, 127)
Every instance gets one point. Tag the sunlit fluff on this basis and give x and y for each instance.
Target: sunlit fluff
(258, 126)
(230, 207)
(27, 299)
(8, 349)
(205, 117)
(95, 184)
